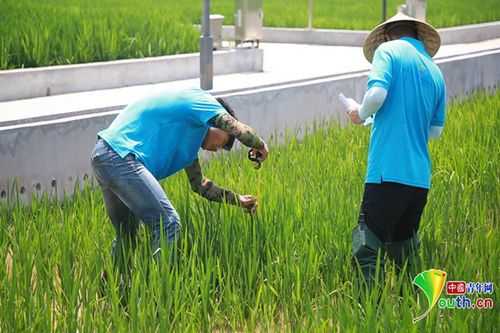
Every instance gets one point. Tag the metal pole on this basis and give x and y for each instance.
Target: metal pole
(310, 14)
(206, 50)
(384, 10)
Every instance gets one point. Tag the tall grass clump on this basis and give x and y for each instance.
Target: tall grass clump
(364, 15)
(54, 32)
(286, 269)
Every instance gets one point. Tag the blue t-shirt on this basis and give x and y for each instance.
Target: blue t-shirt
(164, 131)
(416, 100)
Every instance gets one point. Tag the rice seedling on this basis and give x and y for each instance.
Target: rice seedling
(286, 269)
(54, 32)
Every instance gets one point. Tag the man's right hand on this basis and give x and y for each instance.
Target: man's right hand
(248, 202)
(264, 151)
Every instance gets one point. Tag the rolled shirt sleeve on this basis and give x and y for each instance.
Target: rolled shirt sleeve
(204, 107)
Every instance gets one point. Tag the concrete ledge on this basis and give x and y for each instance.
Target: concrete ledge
(31, 162)
(466, 74)
(456, 35)
(293, 107)
(306, 36)
(55, 80)
(470, 33)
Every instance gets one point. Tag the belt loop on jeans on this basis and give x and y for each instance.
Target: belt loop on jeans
(130, 156)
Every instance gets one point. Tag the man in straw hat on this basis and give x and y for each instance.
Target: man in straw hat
(406, 94)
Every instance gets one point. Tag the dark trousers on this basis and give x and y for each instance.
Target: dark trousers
(392, 211)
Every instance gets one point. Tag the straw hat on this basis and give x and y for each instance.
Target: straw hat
(426, 33)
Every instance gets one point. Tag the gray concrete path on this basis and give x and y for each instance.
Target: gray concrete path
(283, 63)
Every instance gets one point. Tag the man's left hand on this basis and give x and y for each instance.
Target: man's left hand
(351, 108)
(354, 116)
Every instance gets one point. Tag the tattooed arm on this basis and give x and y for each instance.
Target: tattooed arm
(244, 133)
(206, 188)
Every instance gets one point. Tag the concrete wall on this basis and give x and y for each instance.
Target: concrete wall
(470, 33)
(465, 74)
(54, 80)
(53, 156)
(50, 157)
(456, 35)
(293, 107)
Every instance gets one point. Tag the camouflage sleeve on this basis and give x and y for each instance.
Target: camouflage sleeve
(208, 189)
(244, 133)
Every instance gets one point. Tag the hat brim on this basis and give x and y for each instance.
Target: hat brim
(426, 33)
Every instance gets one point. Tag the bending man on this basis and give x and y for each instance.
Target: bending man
(152, 139)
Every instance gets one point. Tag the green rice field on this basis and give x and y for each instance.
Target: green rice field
(53, 32)
(287, 268)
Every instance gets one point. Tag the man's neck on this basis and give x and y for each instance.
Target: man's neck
(407, 36)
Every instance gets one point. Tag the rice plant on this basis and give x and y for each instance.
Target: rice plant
(286, 269)
(53, 32)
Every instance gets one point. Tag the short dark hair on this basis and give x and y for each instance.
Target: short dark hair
(402, 28)
(230, 142)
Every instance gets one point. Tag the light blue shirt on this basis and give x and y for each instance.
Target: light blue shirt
(164, 131)
(416, 100)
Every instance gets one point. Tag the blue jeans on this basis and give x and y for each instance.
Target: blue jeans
(132, 194)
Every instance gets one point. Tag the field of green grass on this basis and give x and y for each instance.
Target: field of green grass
(41, 33)
(286, 269)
